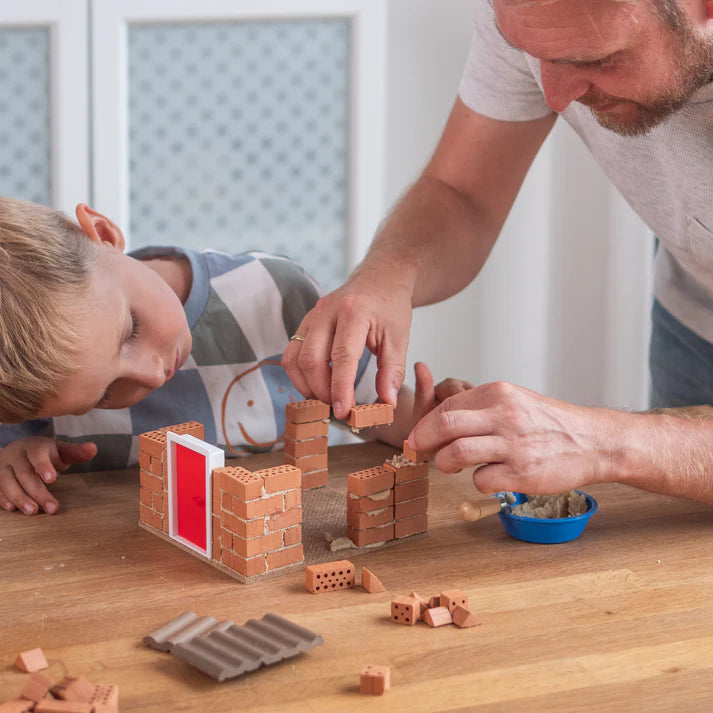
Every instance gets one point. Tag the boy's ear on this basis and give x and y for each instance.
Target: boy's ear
(98, 228)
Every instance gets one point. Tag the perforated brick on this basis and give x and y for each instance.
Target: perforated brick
(306, 411)
(280, 477)
(370, 480)
(237, 481)
(330, 576)
(368, 415)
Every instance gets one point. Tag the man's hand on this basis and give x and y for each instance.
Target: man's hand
(528, 442)
(27, 464)
(364, 312)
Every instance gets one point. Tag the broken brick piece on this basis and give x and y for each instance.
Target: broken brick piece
(370, 481)
(415, 455)
(36, 688)
(405, 470)
(31, 660)
(422, 603)
(434, 602)
(73, 689)
(464, 619)
(375, 680)
(371, 582)
(330, 576)
(405, 610)
(454, 598)
(306, 411)
(438, 616)
(367, 415)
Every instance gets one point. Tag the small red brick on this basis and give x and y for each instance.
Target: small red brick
(47, 705)
(280, 477)
(405, 610)
(105, 698)
(407, 471)
(257, 545)
(146, 497)
(247, 567)
(258, 508)
(367, 503)
(150, 518)
(411, 508)
(368, 415)
(308, 463)
(330, 576)
(153, 443)
(72, 688)
(145, 461)
(292, 535)
(17, 706)
(315, 479)
(36, 687)
(362, 538)
(282, 520)
(292, 498)
(411, 526)
(299, 449)
(370, 481)
(411, 490)
(375, 680)
(238, 481)
(284, 557)
(415, 455)
(156, 466)
(151, 482)
(304, 431)
(243, 528)
(454, 598)
(365, 520)
(306, 411)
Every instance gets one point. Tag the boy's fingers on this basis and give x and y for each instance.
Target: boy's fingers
(68, 453)
(14, 490)
(347, 348)
(36, 489)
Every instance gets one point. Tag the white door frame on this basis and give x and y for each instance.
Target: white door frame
(367, 78)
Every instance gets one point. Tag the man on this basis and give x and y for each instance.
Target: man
(633, 79)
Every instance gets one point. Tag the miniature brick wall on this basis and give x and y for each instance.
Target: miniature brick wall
(153, 502)
(306, 429)
(257, 519)
(387, 502)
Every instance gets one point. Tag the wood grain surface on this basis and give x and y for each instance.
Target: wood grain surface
(618, 620)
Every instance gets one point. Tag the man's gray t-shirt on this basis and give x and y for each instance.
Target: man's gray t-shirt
(665, 175)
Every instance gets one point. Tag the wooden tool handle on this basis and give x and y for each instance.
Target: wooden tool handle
(473, 510)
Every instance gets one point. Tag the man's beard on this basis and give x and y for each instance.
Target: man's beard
(694, 60)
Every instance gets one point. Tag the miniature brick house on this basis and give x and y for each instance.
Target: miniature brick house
(249, 524)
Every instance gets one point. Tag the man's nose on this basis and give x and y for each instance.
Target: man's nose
(562, 84)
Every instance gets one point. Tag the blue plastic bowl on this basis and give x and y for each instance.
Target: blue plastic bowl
(544, 530)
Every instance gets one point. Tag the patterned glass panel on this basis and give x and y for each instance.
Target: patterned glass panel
(238, 138)
(25, 114)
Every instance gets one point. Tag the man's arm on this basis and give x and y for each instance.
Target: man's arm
(432, 245)
(535, 444)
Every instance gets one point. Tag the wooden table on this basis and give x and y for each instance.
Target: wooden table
(619, 620)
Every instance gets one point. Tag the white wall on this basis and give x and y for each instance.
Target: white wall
(558, 307)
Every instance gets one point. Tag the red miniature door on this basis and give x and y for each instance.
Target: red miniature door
(190, 465)
(191, 496)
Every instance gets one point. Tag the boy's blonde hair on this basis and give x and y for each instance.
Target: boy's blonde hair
(44, 273)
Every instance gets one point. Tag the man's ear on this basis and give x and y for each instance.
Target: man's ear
(98, 228)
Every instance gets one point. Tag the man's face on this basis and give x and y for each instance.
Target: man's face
(628, 65)
(134, 335)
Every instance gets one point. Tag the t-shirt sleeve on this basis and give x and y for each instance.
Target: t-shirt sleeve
(10, 432)
(497, 81)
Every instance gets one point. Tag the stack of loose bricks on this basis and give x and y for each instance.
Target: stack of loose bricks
(306, 429)
(389, 501)
(256, 517)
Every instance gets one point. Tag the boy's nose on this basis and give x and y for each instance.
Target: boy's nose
(561, 85)
(152, 374)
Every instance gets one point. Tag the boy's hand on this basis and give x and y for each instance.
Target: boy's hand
(28, 463)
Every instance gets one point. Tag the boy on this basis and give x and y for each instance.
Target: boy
(98, 346)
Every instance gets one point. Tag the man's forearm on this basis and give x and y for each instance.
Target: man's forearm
(668, 451)
(432, 244)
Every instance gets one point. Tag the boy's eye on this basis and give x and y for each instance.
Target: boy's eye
(135, 326)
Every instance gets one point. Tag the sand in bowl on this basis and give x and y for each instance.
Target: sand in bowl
(550, 506)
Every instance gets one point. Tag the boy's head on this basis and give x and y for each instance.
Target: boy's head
(81, 324)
